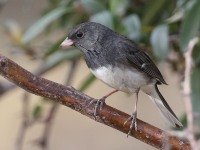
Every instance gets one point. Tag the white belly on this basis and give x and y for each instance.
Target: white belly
(125, 80)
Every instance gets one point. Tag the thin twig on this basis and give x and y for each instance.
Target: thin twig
(43, 142)
(25, 121)
(187, 92)
(68, 96)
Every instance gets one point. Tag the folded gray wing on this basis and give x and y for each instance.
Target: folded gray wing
(139, 59)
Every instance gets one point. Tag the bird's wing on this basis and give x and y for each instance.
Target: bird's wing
(140, 60)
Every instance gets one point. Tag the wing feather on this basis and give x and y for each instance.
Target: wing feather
(139, 59)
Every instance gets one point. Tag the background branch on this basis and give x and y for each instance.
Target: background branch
(25, 121)
(187, 93)
(78, 101)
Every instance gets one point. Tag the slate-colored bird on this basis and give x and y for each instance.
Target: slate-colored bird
(120, 63)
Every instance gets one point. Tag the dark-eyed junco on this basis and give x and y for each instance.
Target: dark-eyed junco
(121, 64)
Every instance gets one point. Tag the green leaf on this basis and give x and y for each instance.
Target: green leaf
(195, 88)
(42, 23)
(181, 7)
(176, 17)
(14, 31)
(190, 25)
(87, 82)
(92, 6)
(160, 41)
(152, 9)
(104, 18)
(181, 3)
(61, 56)
(132, 25)
(55, 47)
(37, 111)
(196, 54)
(118, 7)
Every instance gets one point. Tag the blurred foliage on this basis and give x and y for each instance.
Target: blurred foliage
(164, 26)
(37, 111)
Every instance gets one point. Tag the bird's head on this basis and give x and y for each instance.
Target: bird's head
(86, 35)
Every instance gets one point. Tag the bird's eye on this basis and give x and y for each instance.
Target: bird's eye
(79, 34)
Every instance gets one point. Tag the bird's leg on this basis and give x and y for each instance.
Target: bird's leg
(101, 102)
(133, 117)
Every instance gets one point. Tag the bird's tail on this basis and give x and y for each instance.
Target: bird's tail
(163, 107)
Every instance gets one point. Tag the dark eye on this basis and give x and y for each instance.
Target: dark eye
(79, 34)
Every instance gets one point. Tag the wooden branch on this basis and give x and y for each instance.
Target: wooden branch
(5, 87)
(44, 141)
(68, 96)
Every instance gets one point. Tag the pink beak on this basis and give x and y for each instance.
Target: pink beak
(67, 43)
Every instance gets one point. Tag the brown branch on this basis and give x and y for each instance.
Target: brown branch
(68, 96)
(6, 87)
(187, 93)
(52, 112)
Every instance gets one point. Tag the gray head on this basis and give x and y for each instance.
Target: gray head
(95, 41)
(85, 36)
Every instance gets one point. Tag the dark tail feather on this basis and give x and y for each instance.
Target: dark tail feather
(164, 108)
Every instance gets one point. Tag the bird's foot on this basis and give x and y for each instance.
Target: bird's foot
(133, 124)
(99, 104)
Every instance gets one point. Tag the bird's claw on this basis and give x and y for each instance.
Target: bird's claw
(133, 124)
(99, 104)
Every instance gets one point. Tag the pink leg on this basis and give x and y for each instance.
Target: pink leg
(133, 117)
(101, 102)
